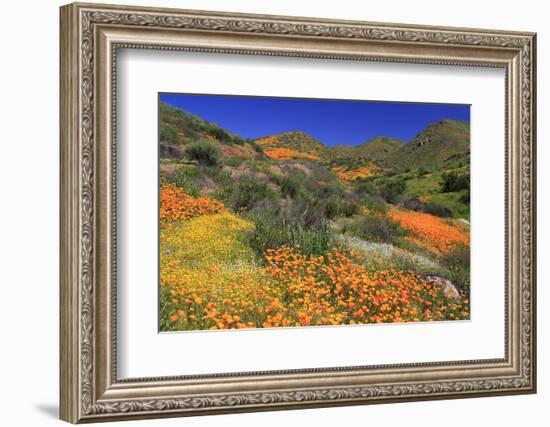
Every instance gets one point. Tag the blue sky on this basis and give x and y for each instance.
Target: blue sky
(330, 121)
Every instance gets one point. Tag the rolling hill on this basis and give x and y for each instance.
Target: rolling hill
(375, 149)
(436, 144)
(179, 128)
(293, 144)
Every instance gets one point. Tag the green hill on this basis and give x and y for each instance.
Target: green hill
(436, 144)
(375, 149)
(295, 141)
(179, 128)
(379, 148)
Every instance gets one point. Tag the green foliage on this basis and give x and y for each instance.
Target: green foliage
(292, 185)
(431, 148)
(376, 149)
(189, 183)
(219, 133)
(375, 203)
(375, 228)
(331, 188)
(168, 134)
(457, 265)
(438, 210)
(257, 147)
(272, 231)
(205, 152)
(247, 193)
(186, 177)
(368, 194)
(421, 172)
(392, 190)
(452, 181)
(173, 119)
(452, 202)
(233, 161)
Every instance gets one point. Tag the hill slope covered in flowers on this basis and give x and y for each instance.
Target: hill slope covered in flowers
(285, 232)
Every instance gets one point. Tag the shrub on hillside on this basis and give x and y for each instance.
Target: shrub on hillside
(168, 134)
(376, 228)
(331, 188)
(417, 205)
(422, 171)
(188, 183)
(369, 194)
(258, 148)
(233, 161)
(457, 264)
(292, 185)
(206, 153)
(392, 190)
(451, 181)
(438, 210)
(272, 231)
(335, 206)
(219, 133)
(247, 192)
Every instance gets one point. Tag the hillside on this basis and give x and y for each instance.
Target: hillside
(416, 169)
(179, 129)
(436, 144)
(363, 160)
(375, 149)
(293, 144)
(284, 231)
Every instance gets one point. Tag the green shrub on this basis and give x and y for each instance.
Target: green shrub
(392, 190)
(451, 182)
(247, 192)
(376, 228)
(438, 210)
(422, 171)
(313, 241)
(292, 185)
(168, 134)
(186, 177)
(190, 184)
(219, 133)
(330, 189)
(272, 231)
(237, 140)
(258, 148)
(457, 265)
(205, 152)
(233, 162)
(334, 206)
(375, 203)
(170, 152)
(369, 195)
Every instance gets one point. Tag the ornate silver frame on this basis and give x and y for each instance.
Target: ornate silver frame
(90, 36)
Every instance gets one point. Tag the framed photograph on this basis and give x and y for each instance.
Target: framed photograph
(266, 212)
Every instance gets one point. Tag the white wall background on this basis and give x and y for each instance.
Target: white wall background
(29, 170)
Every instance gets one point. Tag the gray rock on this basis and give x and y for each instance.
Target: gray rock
(449, 290)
